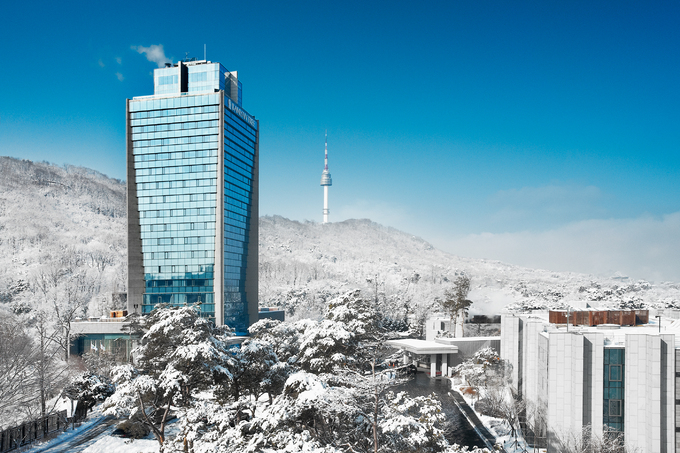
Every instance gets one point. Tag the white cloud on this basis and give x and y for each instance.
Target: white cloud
(645, 247)
(120, 76)
(154, 53)
(101, 63)
(119, 60)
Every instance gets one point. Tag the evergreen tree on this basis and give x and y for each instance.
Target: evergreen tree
(180, 354)
(455, 300)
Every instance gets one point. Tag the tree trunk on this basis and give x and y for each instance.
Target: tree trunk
(67, 335)
(41, 376)
(375, 410)
(158, 433)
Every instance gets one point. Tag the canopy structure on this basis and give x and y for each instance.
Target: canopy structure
(437, 351)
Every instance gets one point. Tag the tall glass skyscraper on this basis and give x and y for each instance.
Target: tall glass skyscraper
(192, 185)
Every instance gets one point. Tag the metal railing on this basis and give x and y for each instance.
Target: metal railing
(123, 319)
(28, 432)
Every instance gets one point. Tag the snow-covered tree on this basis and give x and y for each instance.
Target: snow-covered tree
(17, 357)
(344, 338)
(584, 441)
(483, 367)
(412, 424)
(89, 389)
(313, 416)
(335, 341)
(326, 346)
(455, 300)
(180, 354)
(50, 373)
(356, 313)
(254, 370)
(309, 416)
(283, 337)
(65, 287)
(265, 373)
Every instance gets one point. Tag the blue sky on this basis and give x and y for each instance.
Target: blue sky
(545, 134)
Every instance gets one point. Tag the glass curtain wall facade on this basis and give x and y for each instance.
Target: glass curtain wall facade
(614, 388)
(192, 196)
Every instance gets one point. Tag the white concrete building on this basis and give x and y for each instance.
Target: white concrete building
(436, 326)
(438, 352)
(605, 377)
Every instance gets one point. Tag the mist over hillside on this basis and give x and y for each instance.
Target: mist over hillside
(305, 264)
(72, 219)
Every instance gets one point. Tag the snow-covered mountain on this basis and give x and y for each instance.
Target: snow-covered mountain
(75, 217)
(54, 218)
(303, 263)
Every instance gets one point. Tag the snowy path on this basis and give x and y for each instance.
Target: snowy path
(78, 440)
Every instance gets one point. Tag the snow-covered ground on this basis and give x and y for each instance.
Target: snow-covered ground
(94, 436)
(63, 440)
(110, 444)
(496, 426)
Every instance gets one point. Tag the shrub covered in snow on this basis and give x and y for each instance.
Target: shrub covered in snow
(89, 389)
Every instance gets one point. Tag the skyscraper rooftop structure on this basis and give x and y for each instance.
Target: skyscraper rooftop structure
(192, 177)
(326, 182)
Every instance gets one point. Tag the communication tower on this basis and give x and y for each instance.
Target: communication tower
(326, 182)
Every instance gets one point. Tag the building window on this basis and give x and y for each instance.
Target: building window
(614, 388)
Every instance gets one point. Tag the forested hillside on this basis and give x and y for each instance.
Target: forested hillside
(61, 223)
(70, 221)
(304, 264)
(62, 254)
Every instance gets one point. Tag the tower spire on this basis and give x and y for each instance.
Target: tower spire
(326, 182)
(326, 158)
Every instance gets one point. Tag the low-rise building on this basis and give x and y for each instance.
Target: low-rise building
(603, 376)
(113, 334)
(110, 334)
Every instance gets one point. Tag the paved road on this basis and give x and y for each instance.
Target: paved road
(79, 442)
(484, 433)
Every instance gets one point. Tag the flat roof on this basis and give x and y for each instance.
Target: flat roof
(447, 340)
(422, 346)
(614, 334)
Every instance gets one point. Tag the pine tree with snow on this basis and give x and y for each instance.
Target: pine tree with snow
(89, 389)
(180, 354)
(455, 300)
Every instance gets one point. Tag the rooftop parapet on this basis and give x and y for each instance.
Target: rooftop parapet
(598, 317)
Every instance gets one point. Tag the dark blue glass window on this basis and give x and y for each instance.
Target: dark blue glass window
(176, 175)
(614, 388)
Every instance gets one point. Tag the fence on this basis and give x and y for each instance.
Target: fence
(26, 433)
